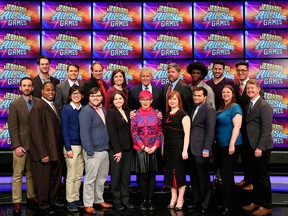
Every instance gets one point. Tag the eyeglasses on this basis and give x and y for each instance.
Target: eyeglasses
(95, 96)
(145, 99)
(241, 71)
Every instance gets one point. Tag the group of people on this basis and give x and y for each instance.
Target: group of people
(95, 128)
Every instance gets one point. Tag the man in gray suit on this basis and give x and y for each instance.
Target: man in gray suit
(259, 128)
(62, 90)
(19, 130)
(203, 118)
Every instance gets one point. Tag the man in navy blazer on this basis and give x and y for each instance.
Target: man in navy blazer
(38, 81)
(203, 118)
(146, 78)
(259, 115)
(62, 90)
(175, 84)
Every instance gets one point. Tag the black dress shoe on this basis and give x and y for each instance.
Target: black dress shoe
(119, 207)
(225, 211)
(194, 206)
(49, 211)
(129, 206)
(204, 210)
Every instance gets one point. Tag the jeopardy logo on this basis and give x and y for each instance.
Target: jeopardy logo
(219, 45)
(111, 67)
(66, 45)
(271, 44)
(168, 16)
(4, 135)
(271, 73)
(8, 99)
(13, 73)
(15, 15)
(218, 16)
(15, 45)
(168, 45)
(270, 15)
(117, 45)
(162, 74)
(278, 134)
(118, 16)
(67, 16)
(226, 73)
(276, 101)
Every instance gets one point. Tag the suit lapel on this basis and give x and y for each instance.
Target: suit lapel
(24, 106)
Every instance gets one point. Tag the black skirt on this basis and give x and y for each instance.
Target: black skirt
(143, 162)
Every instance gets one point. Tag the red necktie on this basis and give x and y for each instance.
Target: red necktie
(241, 88)
(100, 82)
(169, 89)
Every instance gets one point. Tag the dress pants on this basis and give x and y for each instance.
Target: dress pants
(75, 167)
(262, 194)
(96, 168)
(227, 164)
(47, 179)
(200, 180)
(120, 177)
(19, 165)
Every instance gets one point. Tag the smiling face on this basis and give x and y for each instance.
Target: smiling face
(252, 91)
(242, 72)
(72, 73)
(173, 102)
(227, 95)
(96, 99)
(97, 71)
(118, 101)
(145, 102)
(44, 66)
(173, 74)
(199, 98)
(196, 76)
(118, 79)
(26, 87)
(146, 78)
(76, 96)
(218, 70)
(48, 91)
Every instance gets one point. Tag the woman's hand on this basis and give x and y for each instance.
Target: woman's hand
(184, 155)
(231, 149)
(117, 157)
(69, 154)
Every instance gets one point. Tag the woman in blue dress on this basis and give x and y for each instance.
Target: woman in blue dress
(229, 141)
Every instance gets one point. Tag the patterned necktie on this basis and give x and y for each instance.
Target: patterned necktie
(169, 89)
(54, 109)
(100, 82)
(241, 86)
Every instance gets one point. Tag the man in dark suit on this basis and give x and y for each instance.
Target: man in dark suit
(46, 149)
(259, 115)
(38, 81)
(62, 90)
(203, 119)
(146, 78)
(18, 121)
(175, 84)
(95, 81)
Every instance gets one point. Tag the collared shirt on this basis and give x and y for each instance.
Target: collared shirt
(149, 88)
(71, 83)
(44, 80)
(255, 100)
(29, 106)
(244, 82)
(100, 112)
(74, 107)
(51, 104)
(174, 83)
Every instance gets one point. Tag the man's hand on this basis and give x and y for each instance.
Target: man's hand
(45, 159)
(20, 151)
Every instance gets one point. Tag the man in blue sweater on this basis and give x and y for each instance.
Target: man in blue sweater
(72, 147)
(95, 142)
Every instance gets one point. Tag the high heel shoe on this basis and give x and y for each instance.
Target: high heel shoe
(179, 208)
(171, 206)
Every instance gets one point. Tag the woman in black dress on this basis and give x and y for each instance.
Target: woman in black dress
(176, 141)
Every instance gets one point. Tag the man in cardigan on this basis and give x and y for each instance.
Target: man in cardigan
(95, 142)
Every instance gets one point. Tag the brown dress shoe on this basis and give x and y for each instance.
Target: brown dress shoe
(241, 183)
(105, 205)
(262, 211)
(17, 208)
(251, 207)
(248, 187)
(90, 210)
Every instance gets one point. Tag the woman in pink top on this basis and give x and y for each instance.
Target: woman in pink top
(146, 130)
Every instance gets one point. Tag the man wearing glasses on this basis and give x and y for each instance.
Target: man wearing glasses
(95, 81)
(95, 142)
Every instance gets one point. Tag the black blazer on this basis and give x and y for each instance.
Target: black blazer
(186, 96)
(92, 82)
(133, 97)
(38, 85)
(118, 130)
(259, 125)
(202, 129)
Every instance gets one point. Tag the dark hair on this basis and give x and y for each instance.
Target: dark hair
(170, 95)
(201, 88)
(233, 100)
(94, 90)
(198, 66)
(26, 78)
(218, 61)
(76, 88)
(46, 83)
(124, 84)
(111, 104)
(72, 65)
(242, 63)
(95, 64)
(174, 65)
(42, 57)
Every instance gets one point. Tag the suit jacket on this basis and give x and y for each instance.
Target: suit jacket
(118, 130)
(38, 85)
(202, 129)
(92, 82)
(18, 122)
(186, 95)
(62, 93)
(259, 125)
(133, 97)
(45, 132)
